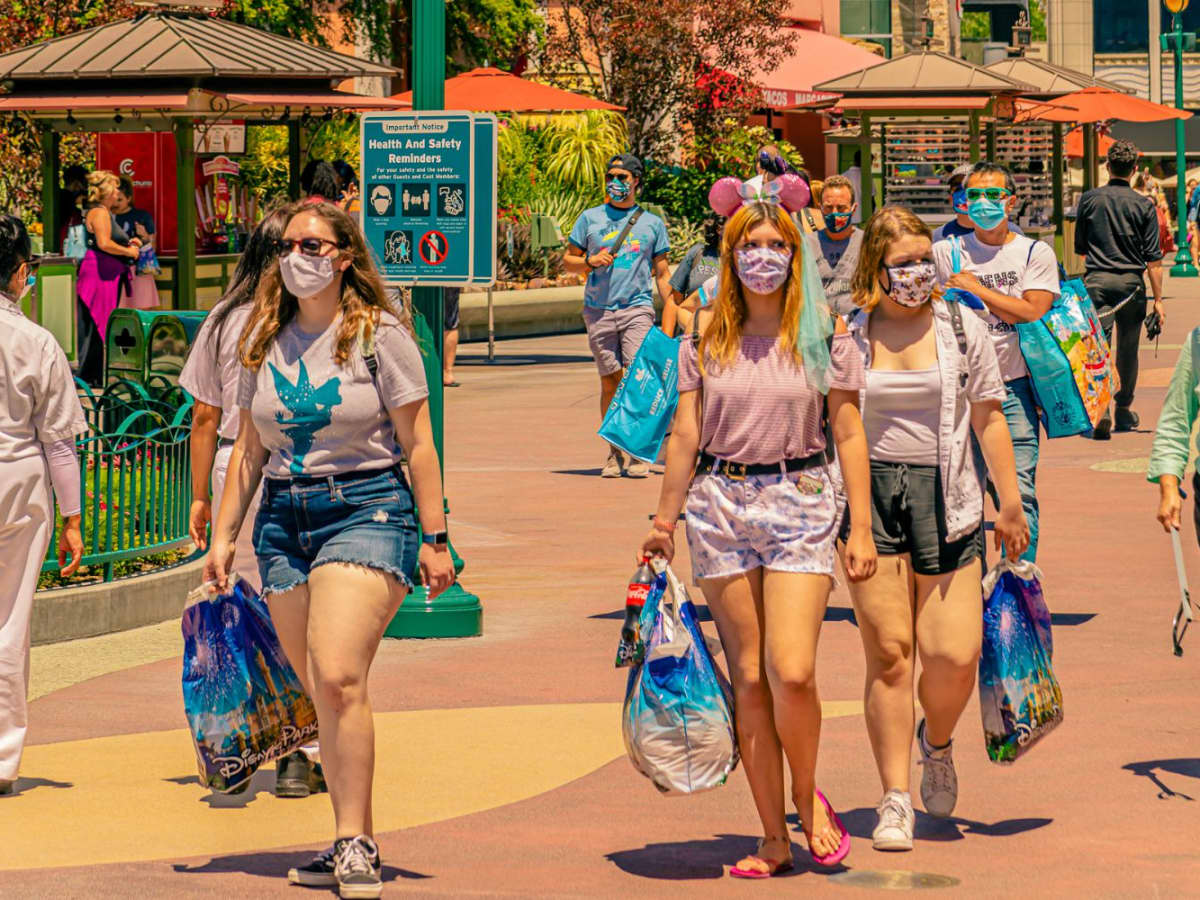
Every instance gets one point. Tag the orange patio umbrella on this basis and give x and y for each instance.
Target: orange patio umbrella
(492, 90)
(1096, 104)
(1074, 144)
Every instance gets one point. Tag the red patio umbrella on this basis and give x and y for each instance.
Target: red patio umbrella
(492, 90)
(1096, 104)
(1074, 144)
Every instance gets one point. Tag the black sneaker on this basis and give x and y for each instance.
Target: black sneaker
(358, 868)
(296, 776)
(1127, 419)
(6, 786)
(1103, 429)
(318, 873)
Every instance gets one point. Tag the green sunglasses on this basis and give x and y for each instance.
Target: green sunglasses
(991, 193)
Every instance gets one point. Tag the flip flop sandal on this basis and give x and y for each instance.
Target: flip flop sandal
(773, 867)
(843, 848)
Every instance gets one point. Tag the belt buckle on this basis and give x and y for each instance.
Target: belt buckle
(735, 471)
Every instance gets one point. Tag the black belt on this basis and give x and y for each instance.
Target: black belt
(708, 464)
(225, 442)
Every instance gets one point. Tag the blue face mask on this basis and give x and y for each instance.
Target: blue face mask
(837, 221)
(987, 214)
(958, 199)
(618, 190)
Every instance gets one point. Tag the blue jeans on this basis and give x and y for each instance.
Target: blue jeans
(1020, 409)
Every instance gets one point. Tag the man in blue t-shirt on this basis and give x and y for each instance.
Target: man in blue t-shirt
(618, 306)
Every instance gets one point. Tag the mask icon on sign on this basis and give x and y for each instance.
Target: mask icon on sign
(381, 199)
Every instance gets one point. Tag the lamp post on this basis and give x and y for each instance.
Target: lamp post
(1177, 41)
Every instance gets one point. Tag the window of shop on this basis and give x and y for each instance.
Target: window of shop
(869, 20)
(1121, 27)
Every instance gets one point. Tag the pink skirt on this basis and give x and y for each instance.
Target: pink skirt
(145, 293)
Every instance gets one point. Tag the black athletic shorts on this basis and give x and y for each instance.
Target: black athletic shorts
(450, 308)
(908, 516)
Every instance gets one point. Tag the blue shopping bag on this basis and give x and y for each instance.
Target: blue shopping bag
(245, 705)
(1019, 697)
(641, 411)
(677, 720)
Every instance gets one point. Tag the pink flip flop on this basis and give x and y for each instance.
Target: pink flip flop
(773, 868)
(843, 849)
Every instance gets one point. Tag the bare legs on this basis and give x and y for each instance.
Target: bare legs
(332, 652)
(608, 388)
(449, 352)
(940, 616)
(769, 623)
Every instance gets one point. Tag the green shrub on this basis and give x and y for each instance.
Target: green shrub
(684, 234)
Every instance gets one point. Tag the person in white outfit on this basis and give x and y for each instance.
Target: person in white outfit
(211, 376)
(40, 417)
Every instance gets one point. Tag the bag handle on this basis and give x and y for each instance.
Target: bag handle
(955, 254)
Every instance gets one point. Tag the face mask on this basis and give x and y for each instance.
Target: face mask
(912, 284)
(763, 269)
(837, 221)
(958, 199)
(987, 214)
(306, 276)
(618, 190)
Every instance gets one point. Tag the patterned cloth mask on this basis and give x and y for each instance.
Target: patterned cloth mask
(618, 190)
(912, 283)
(763, 269)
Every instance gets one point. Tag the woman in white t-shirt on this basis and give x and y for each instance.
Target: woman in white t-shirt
(333, 398)
(932, 379)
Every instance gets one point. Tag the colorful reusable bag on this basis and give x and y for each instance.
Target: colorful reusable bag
(677, 720)
(642, 409)
(1019, 696)
(244, 704)
(1070, 334)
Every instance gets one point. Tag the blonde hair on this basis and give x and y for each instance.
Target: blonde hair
(723, 337)
(364, 298)
(886, 225)
(100, 184)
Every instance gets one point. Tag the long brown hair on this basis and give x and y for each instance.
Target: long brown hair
(723, 337)
(364, 297)
(888, 224)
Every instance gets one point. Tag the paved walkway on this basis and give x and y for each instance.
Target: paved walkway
(501, 769)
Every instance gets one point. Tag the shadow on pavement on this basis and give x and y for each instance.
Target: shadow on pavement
(1188, 767)
(28, 784)
(523, 359)
(832, 614)
(694, 860)
(861, 822)
(262, 782)
(274, 865)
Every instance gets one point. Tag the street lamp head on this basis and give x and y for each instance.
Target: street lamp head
(1175, 7)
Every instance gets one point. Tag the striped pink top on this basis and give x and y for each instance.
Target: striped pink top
(761, 410)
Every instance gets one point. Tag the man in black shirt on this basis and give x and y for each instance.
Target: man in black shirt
(1116, 231)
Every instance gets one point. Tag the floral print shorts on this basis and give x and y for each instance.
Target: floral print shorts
(787, 523)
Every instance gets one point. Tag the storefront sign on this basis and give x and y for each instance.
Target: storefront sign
(222, 136)
(429, 196)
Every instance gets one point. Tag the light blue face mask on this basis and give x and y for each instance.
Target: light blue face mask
(618, 190)
(30, 281)
(987, 214)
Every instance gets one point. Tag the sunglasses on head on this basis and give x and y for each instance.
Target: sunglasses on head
(309, 246)
(989, 193)
(620, 176)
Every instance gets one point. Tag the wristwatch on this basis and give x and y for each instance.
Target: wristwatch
(436, 538)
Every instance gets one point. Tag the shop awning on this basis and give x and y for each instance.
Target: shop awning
(202, 103)
(326, 100)
(921, 104)
(58, 102)
(815, 57)
(493, 90)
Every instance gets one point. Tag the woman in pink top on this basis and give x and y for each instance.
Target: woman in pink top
(761, 511)
(932, 379)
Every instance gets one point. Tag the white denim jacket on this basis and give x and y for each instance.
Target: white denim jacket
(961, 486)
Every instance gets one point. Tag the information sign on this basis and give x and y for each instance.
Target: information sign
(429, 196)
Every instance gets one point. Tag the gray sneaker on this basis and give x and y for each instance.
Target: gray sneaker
(297, 776)
(613, 465)
(357, 868)
(637, 468)
(939, 782)
(896, 820)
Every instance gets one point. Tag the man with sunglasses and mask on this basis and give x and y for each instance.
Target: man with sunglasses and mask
(622, 249)
(961, 224)
(1015, 280)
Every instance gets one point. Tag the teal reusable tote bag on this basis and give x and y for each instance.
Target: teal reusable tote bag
(641, 411)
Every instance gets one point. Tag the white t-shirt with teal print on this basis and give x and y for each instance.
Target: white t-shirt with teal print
(628, 281)
(317, 418)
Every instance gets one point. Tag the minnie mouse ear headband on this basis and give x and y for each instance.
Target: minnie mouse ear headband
(729, 194)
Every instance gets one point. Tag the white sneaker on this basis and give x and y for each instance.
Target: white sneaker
(613, 465)
(896, 820)
(939, 782)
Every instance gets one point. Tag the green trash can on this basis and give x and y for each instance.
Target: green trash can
(144, 344)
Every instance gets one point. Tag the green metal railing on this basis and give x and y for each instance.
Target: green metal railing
(135, 470)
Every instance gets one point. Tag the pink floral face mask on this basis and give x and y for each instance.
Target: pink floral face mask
(763, 269)
(912, 283)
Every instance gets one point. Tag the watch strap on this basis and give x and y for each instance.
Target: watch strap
(436, 538)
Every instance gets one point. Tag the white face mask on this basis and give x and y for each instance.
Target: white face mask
(306, 276)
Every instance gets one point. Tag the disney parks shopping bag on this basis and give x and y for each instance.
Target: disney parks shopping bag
(1069, 362)
(244, 704)
(678, 715)
(1018, 694)
(642, 409)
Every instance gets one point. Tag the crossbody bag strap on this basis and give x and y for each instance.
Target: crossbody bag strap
(960, 335)
(629, 223)
(366, 343)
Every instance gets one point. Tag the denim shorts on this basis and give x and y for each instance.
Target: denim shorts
(361, 518)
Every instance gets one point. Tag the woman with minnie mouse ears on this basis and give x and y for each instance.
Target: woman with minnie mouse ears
(763, 363)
